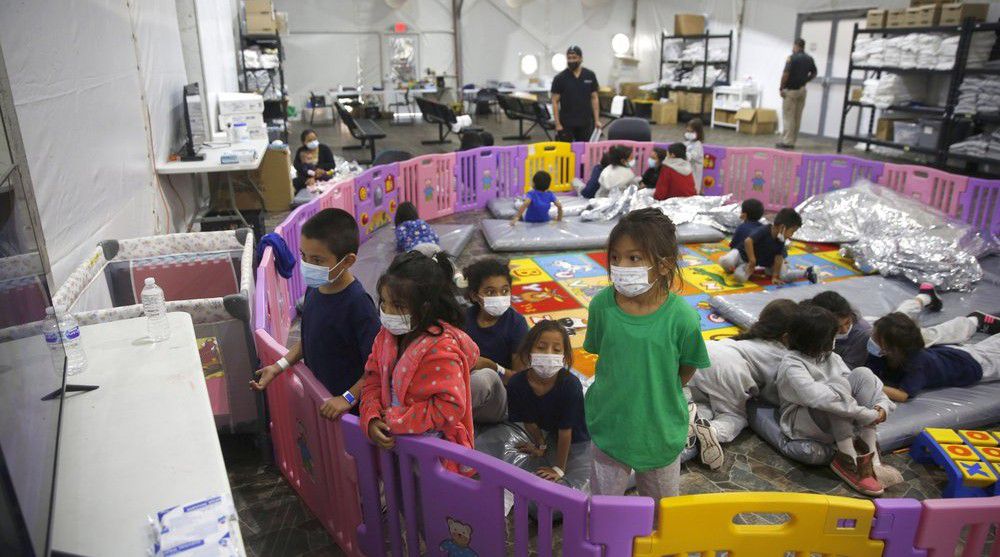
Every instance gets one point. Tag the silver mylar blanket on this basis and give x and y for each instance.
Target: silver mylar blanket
(714, 211)
(892, 234)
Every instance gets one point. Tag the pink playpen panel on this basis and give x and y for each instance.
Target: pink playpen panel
(825, 173)
(269, 351)
(340, 196)
(932, 187)
(186, 277)
(428, 182)
(290, 231)
(943, 521)
(277, 307)
(23, 300)
(261, 296)
(376, 196)
(769, 175)
(592, 153)
(980, 204)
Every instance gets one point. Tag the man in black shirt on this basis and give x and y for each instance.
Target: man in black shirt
(799, 70)
(574, 99)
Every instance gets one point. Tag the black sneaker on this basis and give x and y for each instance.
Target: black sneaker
(989, 324)
(811, 275)
(931, 291)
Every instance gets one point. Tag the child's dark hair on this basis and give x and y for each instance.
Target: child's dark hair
(543, 326)
(835, 304)
(406, 212)
(426, 286)
(812, 330)
(619, 154)
(336, 228)
(541, 180)
(487, 139)
(656, 236)
(678, 150)
(898, 334)
(477, 273)
(606, 159)
(698, 127)
(753, 208)
(660, 153)
(788, 217)
(305, 132)
(470, 140)
(772, 324)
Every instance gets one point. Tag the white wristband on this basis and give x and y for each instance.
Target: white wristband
(559, 471)
(283, 363)
(501, 370)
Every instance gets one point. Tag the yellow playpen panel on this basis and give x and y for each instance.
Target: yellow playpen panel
(556, 158)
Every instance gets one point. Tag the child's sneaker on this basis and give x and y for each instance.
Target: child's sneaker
(858, 474)
(711, 451)
(811, 274)
(692, 416)
(930, 291)
(989, 324)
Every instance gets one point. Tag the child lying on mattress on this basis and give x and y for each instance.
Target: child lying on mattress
(901, 355)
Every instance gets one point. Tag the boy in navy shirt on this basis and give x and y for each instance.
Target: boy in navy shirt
(339, 319)
(539, 199)
(750, 213)
(765, 247)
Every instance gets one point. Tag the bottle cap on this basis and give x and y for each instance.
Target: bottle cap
(150, 281)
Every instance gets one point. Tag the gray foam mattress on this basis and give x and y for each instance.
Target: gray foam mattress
(504, 207)
(572, 234)
(954, 408)
(377, 253)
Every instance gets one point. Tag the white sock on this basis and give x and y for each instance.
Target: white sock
(974, 321)
(870, 439)
(846, 446)
(924, 299)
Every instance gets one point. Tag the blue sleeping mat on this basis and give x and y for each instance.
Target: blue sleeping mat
(377, 253)
(572, 234)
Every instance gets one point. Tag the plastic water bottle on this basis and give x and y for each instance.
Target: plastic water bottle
(154, 305)
(50, 330)
(76, 360)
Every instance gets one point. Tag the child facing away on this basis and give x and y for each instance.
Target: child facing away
(900, 355)
(498, 330)
(413, 232)
(589, 189)
(742, 367)
(417, 378)
(765, 247)
(536, 205)
(548, 399)
(824, 400)
(751, 211)
(676, 177)
(694, 138)
(649, 345)
(618, 174)
(339, 320)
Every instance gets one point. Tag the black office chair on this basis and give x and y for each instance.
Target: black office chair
(389, 156)
(629, 128)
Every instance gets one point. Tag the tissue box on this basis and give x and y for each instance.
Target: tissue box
(236, 103)
(251, 119)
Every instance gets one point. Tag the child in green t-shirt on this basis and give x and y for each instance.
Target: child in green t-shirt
(650, 344)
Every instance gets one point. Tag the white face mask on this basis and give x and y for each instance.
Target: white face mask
(546, 365)
(630, 281)
(496, 305)
(652, 162)
(690, 136)
(781, 236)
(874, 349)
(318, 275)
(395, 324)
(631, 163)
(842, 336)
(312, 145)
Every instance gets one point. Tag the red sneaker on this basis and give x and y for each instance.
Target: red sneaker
(859, 474)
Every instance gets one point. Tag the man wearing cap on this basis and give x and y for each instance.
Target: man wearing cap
(574, 99)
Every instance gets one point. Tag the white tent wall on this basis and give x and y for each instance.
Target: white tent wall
(217, 31)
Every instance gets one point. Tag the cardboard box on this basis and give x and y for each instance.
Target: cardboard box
(281, 19)
(665, 112)
(274, 180)
(856, 93)
(262, 24)
(691, 103)
(895, 19)
(883, 129)
(239, 103)
(756, 121)
(689, 24)
(955, 14)
(723, 116)
(258, 6)
(631, 89)
(876, 19)
(916, 3)
(923, 16)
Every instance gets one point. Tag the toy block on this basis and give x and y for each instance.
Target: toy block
(976, 474)
(991, 454)
(960, 452)
(944, 435)
(979, 438)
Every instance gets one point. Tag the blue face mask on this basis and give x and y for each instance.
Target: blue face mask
(318, 275)
(874, 349)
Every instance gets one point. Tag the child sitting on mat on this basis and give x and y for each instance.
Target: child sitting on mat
(417, 378)
(900, 354)
(618, 174)
(498, 330)
(765, 247)
(824, 400)
(413, 232)
(548, 399)
(676, 177)
(539, 199)
(751, 211)
(694, 137)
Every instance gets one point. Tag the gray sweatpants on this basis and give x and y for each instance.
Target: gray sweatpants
(610, 477)
(866, 388)
(987, 353)
(733, 263)
(489, 397)
(953, 331)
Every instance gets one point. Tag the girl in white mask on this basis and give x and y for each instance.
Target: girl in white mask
(649, 344)
(619, 174)
(548, 400)
(498, 330)
(694, 136)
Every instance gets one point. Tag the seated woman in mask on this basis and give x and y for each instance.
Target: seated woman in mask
(310, 156)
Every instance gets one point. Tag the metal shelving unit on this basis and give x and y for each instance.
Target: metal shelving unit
(275, 110)
(704, 63)
(940, 154)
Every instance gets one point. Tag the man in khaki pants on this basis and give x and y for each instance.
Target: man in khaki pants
(799, 70)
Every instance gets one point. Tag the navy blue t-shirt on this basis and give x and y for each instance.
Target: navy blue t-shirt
(560, 408)
(765, 247)
(337, 335)
(743, 231)
(538, 211)
(501, 340)
(930, 368)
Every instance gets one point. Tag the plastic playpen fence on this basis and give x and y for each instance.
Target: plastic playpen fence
(340, 474)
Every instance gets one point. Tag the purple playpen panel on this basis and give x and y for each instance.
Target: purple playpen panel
(583, 166)
(454, 511)
(825, 173)
(290, 232)
(711, 182)
(943, 520)
(895, 523)
(261, 296)
(510, 179)
(980, 204)
(769, 175)
(616, 521)
(932, 187)
(429, 183)
(376, 196)
(340, 196)
(476, 178)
